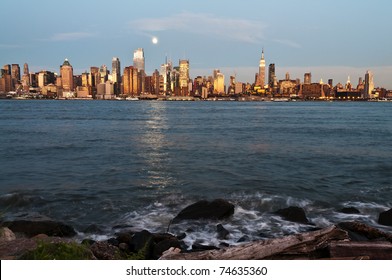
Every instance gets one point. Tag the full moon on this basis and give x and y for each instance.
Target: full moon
(154, 40)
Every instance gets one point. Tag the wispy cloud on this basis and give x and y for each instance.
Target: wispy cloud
(9, 46)
(71, 36)
(287, 43)
(241, 30)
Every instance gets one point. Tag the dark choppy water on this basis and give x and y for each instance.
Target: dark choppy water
(139, 163)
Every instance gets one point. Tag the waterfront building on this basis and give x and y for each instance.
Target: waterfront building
(271, 75)
(7, 69)
(5, 82)
(26, 78)
(15, 73)
(155, 82)
(165, 72)
(131, 79)
(219, 82)
(116, 74)
(66, 73)
(184, 76)
(308, 78)
(103, 74)
(138, 59)
(369, 85)
(260, 78)
(45, 78)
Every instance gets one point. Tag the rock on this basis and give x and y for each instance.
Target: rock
(164, 245)
(104, 251)
(124, 237)
(181, 236)
(385, 218)
(293, 214)
(40, 236)
(222, 232)
(244, 238)
(141, 240)
(216, 210)
(113, 241)
(32, 228)
(350, 210)
(6, 234)
(123, 246)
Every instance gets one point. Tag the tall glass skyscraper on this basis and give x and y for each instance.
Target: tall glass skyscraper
(138, 59)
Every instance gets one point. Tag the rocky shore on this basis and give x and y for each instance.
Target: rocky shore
(44, 239)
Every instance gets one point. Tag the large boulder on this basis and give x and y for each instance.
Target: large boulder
(215, 210)
(6, 234)
(32, 228)
(385, 218)
(293, 214)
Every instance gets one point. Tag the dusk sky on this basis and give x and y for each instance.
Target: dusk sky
(330, 39)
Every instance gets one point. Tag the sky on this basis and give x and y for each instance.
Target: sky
(331, 39)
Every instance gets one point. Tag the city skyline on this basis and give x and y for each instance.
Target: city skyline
(329, 39)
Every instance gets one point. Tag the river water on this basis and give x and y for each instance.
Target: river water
(137, 164)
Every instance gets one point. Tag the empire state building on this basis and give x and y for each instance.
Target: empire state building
(261, 76)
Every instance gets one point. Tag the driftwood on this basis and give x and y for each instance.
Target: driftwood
(374, 250)
(295, 244)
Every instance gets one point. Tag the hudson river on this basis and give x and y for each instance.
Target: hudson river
(137, 164)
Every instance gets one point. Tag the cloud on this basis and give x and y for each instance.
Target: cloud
(9, 46)
(240, 30)
(71, 36)
(287, 43)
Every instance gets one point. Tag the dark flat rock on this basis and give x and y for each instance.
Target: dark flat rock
(215, 210)
(385, 218)
(293, 214)
(350, 210)
(32, 228)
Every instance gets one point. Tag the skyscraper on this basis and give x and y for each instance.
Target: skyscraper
(184, 73)
(260, 81)
(66, 72)
(116, 74)
(26, 77)
(308, 78)
(271, 75)
(369, 84)
(219, 82)
(138, 59)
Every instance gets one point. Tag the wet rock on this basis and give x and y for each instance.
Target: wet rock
(124, 237)
(222, 233)
(32, 228)
(113, 241)
(385, 218)
(350, 210)
(181, 236)
(216, 210)
(293, 214)
(6, 234)
(244, 238)
(164, 245)
(104, 251)
(141, 240)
